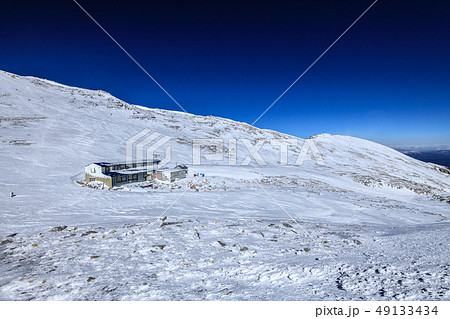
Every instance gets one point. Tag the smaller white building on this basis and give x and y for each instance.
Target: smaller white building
(172, 174)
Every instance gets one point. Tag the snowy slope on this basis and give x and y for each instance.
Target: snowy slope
(49, 132)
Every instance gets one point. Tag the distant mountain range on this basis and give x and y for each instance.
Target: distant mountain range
(440, 157)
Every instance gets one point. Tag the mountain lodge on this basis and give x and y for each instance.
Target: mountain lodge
(119, 174)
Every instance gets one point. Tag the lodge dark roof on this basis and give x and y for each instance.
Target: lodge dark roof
(107, 164)
(112, 174)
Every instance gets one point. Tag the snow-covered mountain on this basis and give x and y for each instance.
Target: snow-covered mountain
(235, 216)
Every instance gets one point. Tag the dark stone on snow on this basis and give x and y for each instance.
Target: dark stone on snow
(58, 228)
(5, 242)
(89, 232)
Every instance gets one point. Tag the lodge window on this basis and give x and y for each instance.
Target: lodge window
(121, 178)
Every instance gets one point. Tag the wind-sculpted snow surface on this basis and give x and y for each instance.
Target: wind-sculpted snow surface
(376, 219)
(228, 259)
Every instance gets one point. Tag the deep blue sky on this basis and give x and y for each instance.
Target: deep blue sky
(387, 79)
